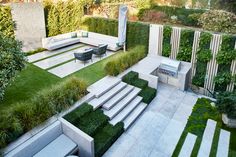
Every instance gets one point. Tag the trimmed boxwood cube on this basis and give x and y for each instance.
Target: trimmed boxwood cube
(106, 137)
(130, 77)
(81, 111)
(140, 83)
(148, 94)
(92, 122)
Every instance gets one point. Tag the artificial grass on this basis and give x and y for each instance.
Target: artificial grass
(29, 81)
(196, 124)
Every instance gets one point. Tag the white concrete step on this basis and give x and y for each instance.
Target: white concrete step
(126, 111)
(223, 145)
(104, 85)
(97, 102)
(207, 138)
(112, 102)
(121, 104)
(134, 115)
(188, 145)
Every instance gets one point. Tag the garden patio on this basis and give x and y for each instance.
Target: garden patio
(171, 92)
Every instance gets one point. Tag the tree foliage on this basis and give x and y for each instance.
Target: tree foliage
(12, 60)
(6, 22)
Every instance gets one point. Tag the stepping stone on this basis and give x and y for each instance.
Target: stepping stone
(223, 145)
(126, 111)
(50, 62)
(170, 137)
(97, 102)
(188, 145)
(102, 86)
(72, 67)
(134, 115)
(207, 138)
(122, 104)
(112, 102)
(45, 54)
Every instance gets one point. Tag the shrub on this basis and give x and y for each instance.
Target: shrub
(79, 113)
(106, 137)
(140, 83)
(6, 22)
(218, 21)
(166, 50)
(124, 60)
(35, 51)
(148, 94)
(226, 103)
(25, 115)
(154, 16)
(128, 78)
(12, 61)
(222, 80)
(92, 122)
(204, 55)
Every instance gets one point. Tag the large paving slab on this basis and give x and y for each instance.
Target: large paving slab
(71, 67)
(223, 144)
(61, 58)
(188, 145)
(45, 54)
(207, 138)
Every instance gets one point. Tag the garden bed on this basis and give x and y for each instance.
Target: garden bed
(96, 124)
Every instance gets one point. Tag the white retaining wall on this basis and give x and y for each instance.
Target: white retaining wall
(156, 37)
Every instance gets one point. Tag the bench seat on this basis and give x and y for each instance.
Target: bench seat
(60, 147)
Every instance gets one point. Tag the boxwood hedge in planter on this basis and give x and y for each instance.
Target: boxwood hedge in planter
(148, 94)
(128, 78)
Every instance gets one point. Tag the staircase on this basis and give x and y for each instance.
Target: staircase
(119, 101)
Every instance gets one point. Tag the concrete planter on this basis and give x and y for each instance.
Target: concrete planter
(228, 121)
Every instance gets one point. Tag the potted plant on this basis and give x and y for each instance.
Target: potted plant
(226, 104)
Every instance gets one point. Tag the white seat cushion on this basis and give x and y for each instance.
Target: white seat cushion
(60, 147)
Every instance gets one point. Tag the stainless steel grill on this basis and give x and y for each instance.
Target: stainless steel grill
(169, 67)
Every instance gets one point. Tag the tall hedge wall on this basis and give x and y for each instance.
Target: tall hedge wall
(6, 22)
(63, 16)
(137, 32)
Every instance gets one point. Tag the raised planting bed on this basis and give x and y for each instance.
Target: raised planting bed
(148, 94)
(128, 78)
(96, 125)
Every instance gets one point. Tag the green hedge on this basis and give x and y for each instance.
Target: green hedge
(106, 137)
(186, 43)
(204, 55)
(81, 111)
(137, 33)
(63, 16)
(184, 16)
(128, 78)
(92, 122)
(24, 116)
(6, 22)
(148, 94)
(125, 60)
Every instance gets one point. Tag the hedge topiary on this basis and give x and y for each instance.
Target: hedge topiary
(218, 21)
(12, 61)
(148, 94)
(128, 78)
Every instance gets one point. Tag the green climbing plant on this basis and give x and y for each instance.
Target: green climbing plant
(166, 50)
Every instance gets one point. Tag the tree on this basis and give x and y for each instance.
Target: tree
(12, 60)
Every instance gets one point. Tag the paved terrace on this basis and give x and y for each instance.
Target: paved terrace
(157, 131)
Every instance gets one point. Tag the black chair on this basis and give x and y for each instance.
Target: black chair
(84, 56)
(100, 50)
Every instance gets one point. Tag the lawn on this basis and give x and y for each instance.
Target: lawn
(33, 79)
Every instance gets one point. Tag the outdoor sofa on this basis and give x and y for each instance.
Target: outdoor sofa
(90, 38)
